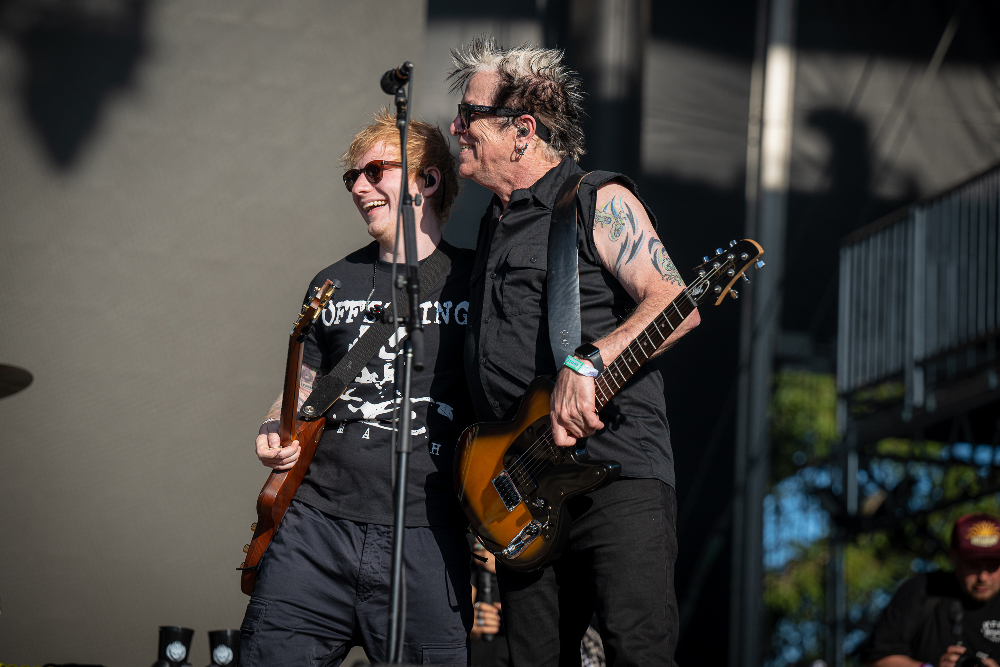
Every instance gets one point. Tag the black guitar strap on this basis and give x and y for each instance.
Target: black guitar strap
(563, 273)
(332, 385)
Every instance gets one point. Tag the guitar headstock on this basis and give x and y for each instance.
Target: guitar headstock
(310, 311)
(717, 275)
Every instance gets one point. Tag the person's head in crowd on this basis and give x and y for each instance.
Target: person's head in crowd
(520, 107)
(372, 175)
(975, 553)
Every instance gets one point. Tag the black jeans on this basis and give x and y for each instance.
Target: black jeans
(323, 587)
(619, 563)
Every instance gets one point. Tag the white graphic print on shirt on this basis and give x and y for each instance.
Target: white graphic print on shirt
(346, 312)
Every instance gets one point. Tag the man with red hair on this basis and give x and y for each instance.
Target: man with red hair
(323, 584)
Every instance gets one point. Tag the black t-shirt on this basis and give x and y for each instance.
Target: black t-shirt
(350, 474)
(507, 344)
(918, 621)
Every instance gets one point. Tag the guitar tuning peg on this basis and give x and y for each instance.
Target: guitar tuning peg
(705, 258)
(732, 243)
(718, 251)
(759, 264)
(733, 293)
(745, 277)
(246, 548)
(253, 526)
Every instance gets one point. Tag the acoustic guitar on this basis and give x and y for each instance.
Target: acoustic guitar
(513, 481)
(281, 485)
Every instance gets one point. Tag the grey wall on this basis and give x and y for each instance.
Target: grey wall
(152, 259)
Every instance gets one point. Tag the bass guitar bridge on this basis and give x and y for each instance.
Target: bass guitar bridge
(527, 535)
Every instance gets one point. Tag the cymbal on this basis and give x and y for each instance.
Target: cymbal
(13, 379)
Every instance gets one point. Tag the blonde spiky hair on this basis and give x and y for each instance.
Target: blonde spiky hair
(531, 79)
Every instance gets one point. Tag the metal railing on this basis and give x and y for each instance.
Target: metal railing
(918, 284)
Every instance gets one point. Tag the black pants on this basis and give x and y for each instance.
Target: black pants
(323, 587)
(619, 563)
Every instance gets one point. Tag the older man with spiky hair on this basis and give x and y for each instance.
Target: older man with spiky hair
(519, 135)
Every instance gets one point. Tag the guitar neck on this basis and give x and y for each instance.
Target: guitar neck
(290, 395)
(642, 347)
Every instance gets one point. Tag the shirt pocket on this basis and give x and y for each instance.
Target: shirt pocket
(522, 279)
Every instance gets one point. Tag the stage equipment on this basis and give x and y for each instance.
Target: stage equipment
(412, 353)
(484, 592)
(395, 79)
(13, 379)
(175, 644)
(225, 647)
(511, 478)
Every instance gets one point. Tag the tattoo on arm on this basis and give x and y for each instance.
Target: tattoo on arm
(663, 264)
(307, 378)
(617, 217)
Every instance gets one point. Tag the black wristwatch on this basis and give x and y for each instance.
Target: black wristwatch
(590, 352)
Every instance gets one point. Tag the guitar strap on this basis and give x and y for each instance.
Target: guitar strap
(563, 273)
(332, 385)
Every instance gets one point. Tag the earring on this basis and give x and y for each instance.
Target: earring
(520, 149)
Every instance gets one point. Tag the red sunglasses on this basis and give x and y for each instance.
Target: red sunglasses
(372, 171)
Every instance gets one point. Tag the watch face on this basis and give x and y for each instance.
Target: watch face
(591, 353)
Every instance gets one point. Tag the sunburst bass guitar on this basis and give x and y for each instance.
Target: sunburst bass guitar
(281, 485)
(513, 481)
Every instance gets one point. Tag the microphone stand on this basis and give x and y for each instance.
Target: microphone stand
(412, 358)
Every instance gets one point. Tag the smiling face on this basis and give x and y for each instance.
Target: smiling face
(485, 147)
(979, 578)
(378, 202)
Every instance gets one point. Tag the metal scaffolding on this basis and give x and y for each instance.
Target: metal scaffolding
(919, 324)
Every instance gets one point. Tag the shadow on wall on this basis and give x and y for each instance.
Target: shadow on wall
(75, 56)
(843, 201)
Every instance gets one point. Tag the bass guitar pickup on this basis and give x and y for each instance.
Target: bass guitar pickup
(507, 490)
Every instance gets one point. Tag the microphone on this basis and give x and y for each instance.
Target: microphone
(485, 593)
(396, 78)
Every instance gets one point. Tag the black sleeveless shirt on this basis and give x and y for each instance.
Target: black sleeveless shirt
(507, 340)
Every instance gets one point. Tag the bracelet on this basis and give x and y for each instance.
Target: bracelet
(269, 426)
(579, 367)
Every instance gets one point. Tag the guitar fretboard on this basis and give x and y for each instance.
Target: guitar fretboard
(638, 352)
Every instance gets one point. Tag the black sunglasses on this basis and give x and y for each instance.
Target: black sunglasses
(372, 171)
(465, 112)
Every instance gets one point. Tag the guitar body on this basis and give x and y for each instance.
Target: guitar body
(513, 482)
(276, 496)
